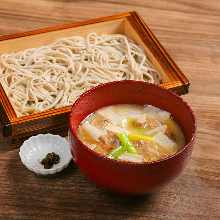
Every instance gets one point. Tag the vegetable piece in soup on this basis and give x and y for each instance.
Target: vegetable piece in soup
(132, 133)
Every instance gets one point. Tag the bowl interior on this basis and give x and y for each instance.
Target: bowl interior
(133, 92)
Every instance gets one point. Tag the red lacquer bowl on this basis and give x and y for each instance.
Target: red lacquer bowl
(126, 177)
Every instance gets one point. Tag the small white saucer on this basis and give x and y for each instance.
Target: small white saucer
(34, 149)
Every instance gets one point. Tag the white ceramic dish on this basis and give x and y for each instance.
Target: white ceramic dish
(34, 149)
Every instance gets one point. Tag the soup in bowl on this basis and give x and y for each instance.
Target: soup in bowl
(131, 137)
(131, 132)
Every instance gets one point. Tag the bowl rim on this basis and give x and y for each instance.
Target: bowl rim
(122, 162)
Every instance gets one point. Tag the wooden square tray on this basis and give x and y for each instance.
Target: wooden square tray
(128, 23)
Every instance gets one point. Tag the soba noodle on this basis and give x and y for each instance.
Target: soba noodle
(54, 75)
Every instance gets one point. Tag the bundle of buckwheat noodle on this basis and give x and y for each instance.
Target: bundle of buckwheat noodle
(54, 75)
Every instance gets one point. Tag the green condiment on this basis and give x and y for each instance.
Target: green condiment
(126, 146)
(125, 142)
